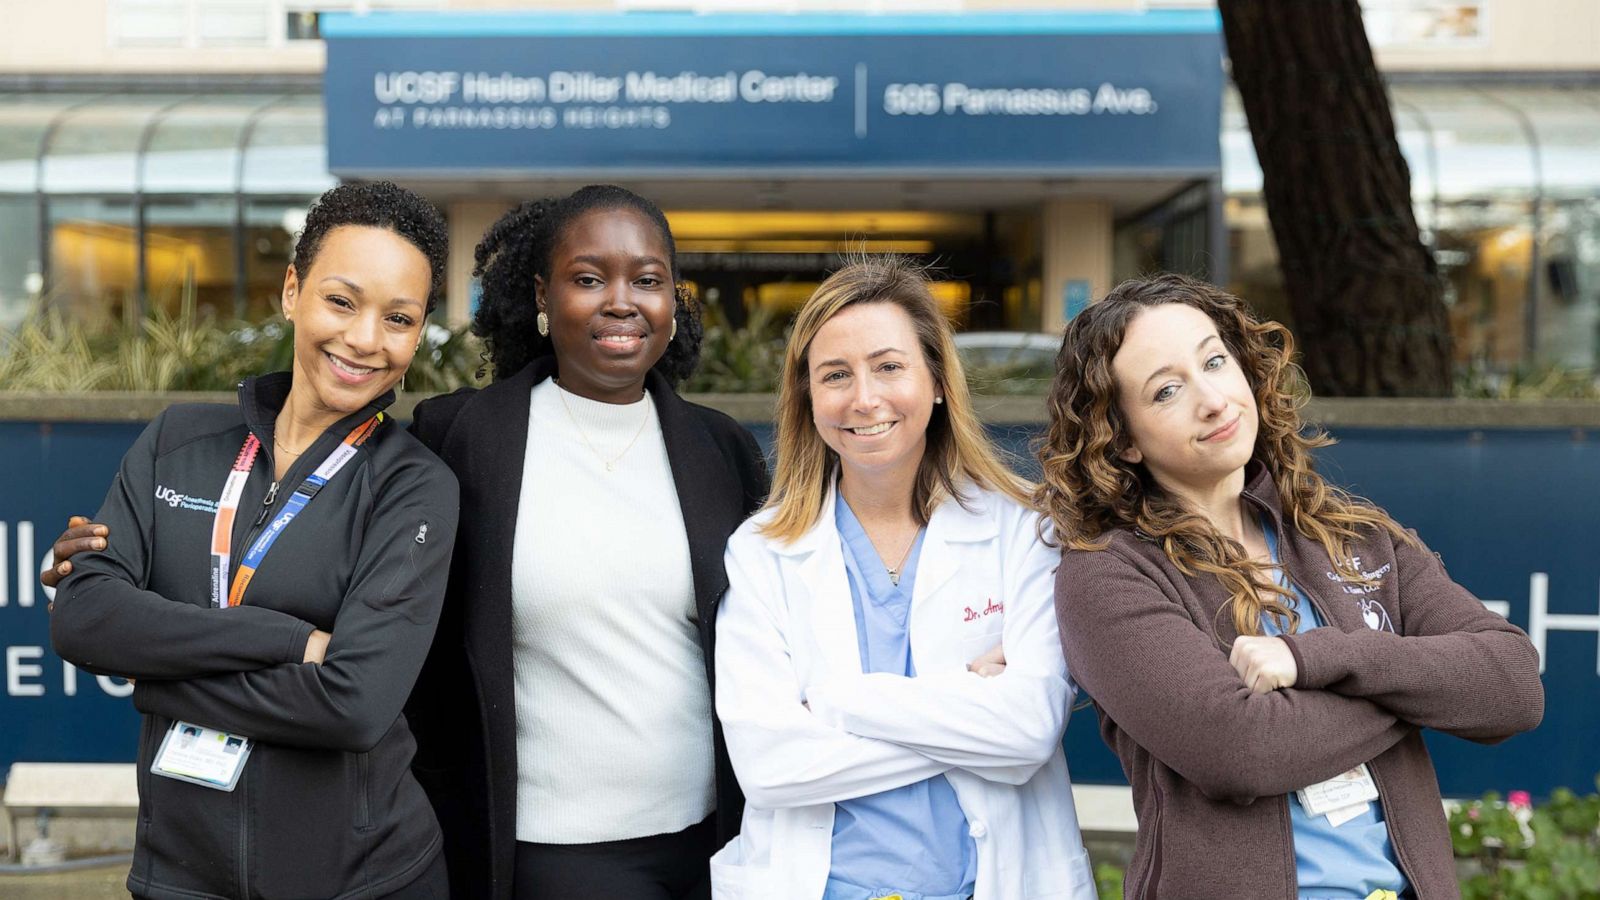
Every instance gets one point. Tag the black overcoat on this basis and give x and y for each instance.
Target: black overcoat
(463, 709)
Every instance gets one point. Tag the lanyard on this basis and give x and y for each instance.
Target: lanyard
(228, 506)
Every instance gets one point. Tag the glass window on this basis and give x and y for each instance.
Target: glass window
(1567, 124)
(1241, 171)
(157, 178)
(190, 23)
(194, 148)
(1417, 145)
(188, 246)
(24, 119)
(1570, 284)
(94, 258)
(235, 23)
(287, 153)
(1504, 185)
(270, 227)
(95, 149)
(21, 275)
(1172, 237)
(149, 23)
(1481, 147)
(1424, 23)
(1483, 247)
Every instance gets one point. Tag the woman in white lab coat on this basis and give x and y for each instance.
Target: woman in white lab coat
(889, 674)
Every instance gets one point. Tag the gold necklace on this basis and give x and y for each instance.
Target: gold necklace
(282, 446)
(610, 464)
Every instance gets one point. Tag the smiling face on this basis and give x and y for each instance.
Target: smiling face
(358, 313)
(872, 390)
(610, 300)
(1190, 412)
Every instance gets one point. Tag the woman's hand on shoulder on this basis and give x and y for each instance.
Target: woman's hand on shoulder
(81, 535)
(1265, 663)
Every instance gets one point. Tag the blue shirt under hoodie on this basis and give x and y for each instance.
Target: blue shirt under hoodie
(1355, 858)
(911, 840)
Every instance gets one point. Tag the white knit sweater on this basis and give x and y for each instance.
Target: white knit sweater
(613, 709)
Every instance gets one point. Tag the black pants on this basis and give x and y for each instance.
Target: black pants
(659, 867)
(432, 884)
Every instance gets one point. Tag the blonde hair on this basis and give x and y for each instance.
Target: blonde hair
(957, 451)
(1088, 489)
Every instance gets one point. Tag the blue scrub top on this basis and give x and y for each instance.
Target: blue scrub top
(911, 840)
(1350, 860)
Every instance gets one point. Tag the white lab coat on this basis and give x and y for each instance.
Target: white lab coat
(786, 633)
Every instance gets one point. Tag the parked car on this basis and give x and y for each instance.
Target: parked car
(995, 355)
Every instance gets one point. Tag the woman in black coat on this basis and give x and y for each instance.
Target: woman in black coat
(580, 297)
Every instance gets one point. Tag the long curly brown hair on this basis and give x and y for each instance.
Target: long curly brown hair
(1088, 490)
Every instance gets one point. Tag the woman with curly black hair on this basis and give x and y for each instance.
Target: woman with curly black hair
(565, 715)
(278, 572)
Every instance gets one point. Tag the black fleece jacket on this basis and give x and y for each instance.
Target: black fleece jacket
(326, 805)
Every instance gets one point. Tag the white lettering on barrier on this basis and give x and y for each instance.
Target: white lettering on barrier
(17, 670)
(24, 677)
(25, 578)
(1541, 621)
(113, 687)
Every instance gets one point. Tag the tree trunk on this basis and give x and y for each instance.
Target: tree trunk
(1365, 292)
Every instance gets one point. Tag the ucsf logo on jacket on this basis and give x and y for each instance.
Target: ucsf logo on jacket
(787, 641)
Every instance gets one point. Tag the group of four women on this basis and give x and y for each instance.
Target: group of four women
(853, 685)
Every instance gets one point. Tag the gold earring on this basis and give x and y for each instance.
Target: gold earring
(544, 324)
(673, 335)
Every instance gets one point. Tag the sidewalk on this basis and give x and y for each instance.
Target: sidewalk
(105, 883)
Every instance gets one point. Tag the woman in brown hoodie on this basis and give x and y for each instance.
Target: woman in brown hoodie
(1262, 648)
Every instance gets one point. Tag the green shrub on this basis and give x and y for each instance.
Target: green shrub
(1541, 382)
(1108, 880)
(188, 351)
(1522, 852)
(746, 360)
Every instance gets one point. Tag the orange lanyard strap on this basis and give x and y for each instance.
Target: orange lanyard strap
(222, 528)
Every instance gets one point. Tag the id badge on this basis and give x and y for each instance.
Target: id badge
(201, 755)
(1342, 797)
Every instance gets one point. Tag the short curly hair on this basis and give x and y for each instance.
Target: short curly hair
(517, 248)
(377, 204)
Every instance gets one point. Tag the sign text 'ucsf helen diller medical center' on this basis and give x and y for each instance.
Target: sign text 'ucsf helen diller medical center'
(1125, 98)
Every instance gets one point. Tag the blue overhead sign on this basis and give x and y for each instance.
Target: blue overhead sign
(518, 95)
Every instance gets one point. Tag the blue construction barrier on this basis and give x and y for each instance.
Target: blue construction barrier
(1514, 514)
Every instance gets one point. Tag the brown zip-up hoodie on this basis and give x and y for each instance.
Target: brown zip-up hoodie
(1211, 763)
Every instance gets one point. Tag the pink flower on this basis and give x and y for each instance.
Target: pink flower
(1519, 800)
(1472, 813)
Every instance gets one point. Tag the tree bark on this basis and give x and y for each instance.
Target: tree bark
(1365, 293)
